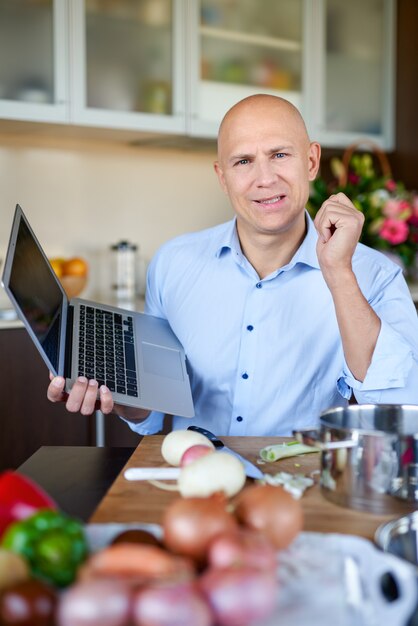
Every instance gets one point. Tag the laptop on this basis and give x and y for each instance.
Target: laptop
(136, 355)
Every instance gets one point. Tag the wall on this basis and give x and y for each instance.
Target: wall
(81, 197)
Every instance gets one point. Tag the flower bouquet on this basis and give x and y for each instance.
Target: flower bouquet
(390, 211)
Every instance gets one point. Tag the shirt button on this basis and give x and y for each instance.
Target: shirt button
(239, 418)
(245, 376)
(259, 285)
(250, 327)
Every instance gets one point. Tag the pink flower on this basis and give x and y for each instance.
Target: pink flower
(390, 185)
(397, 209)
(394, 231)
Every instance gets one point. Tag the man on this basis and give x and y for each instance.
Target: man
(280, 318)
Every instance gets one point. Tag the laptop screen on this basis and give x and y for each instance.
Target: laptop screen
(36, 292)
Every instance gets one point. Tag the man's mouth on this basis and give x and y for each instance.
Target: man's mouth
(272, 200)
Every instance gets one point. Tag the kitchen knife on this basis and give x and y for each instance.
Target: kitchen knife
(251, 470)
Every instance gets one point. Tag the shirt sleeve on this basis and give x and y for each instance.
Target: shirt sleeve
(392, 376)
(150, 426)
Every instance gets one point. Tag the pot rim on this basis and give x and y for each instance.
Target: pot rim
(358, 408)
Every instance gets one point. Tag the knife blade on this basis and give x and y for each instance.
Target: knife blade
(251, 470)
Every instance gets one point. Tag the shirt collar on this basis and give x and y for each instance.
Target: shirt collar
(305, 254)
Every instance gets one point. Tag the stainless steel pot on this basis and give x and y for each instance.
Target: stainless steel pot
(369, 458)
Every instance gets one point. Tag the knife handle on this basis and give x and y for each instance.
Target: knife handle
(213, 438)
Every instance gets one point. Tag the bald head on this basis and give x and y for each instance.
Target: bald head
(256, 114)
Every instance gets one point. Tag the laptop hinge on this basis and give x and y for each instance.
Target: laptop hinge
(69, 342)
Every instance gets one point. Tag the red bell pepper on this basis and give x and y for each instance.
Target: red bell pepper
(20, 497)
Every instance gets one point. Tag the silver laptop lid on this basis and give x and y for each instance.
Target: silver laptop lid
(36, 293)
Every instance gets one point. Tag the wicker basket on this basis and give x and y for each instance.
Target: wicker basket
(364, 146)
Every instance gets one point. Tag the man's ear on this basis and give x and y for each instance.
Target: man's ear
(314, 158)
(220, 175)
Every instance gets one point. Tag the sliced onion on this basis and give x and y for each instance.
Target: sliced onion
(212, 473)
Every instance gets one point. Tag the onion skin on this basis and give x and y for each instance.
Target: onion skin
(95, 603)
(272, 511)
(243, 548)
(189, 524)
(171, 605)
(239, 596)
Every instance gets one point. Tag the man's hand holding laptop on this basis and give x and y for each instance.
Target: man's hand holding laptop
(86, 397)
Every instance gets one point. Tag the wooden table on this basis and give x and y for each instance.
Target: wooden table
(143, 502)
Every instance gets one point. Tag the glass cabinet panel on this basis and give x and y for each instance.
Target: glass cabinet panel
(355, 66)
(129, 55)
(252, 43)
(245, 47)
(27, 51)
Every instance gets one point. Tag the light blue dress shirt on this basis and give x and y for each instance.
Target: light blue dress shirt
(265, 356)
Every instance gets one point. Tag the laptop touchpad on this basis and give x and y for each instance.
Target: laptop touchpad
(162, 361)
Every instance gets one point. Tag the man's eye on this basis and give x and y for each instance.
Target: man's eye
(279, 155)
(242, 162)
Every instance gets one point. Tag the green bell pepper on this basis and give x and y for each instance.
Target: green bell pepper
(53, 543)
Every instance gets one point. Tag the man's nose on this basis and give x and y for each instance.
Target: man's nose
(265, 173)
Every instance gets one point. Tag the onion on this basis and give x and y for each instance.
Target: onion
(178, 441)
(189, 524)
(271, 510)
(212, 473)
(244, 547)
(239, 597)
(95, 603)
(173, 605)
(194, 453)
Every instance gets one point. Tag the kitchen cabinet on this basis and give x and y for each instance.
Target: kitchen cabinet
(34, 60)
(350, 84)
(333, 60)
(175, 66)
(128, 64)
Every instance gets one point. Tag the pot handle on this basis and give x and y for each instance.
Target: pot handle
(311, 437)
(363, 555)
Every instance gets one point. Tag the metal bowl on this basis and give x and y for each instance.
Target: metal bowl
(400, 537)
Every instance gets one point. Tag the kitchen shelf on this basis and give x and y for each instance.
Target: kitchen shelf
(250, 38)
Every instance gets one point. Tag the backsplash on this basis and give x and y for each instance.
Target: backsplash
(82, 198)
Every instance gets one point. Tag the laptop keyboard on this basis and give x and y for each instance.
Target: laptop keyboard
(107, 350)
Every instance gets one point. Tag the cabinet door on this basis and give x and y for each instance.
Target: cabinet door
(128, 64)
(241, 47)
(33, 60)
(27, 419)
(351, 72)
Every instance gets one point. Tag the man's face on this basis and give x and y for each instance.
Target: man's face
(265, 165)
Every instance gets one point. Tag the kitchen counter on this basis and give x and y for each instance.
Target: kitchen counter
(88, 482)
(81, 476)
(143, 502)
